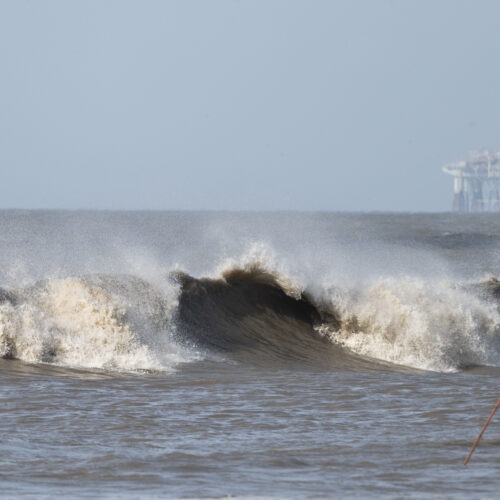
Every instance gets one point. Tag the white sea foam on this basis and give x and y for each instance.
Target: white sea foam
(115, 323)
(418, 323)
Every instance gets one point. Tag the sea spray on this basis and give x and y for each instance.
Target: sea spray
(111, 323)
(420, 323)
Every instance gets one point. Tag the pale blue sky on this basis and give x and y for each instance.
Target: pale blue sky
(265, 105)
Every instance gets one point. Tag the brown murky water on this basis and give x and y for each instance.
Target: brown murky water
(213, 430)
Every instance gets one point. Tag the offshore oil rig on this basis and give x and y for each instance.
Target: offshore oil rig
(476, 183)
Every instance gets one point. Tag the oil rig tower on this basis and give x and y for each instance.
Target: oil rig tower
(476, 183)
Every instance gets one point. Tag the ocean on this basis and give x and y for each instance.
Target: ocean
(244, 355)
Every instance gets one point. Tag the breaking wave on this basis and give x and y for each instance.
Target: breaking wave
(408, 322)
(106, 322)
(431, 326)
(251, 313)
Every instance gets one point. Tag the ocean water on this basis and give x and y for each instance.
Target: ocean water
(270, 355)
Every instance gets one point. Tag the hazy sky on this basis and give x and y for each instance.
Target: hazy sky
(263, 105)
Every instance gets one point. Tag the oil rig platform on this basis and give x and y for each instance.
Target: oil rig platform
(476, 183)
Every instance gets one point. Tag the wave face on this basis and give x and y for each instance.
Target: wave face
(247, 314)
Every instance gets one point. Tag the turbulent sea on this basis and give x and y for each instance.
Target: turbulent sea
(275, 355)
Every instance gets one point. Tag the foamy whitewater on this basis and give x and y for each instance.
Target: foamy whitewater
(173, 317)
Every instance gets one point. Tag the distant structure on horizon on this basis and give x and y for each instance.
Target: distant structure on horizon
(476, 183)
